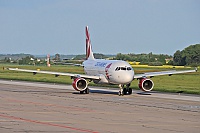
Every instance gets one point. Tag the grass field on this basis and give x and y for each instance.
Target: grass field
(188, 83)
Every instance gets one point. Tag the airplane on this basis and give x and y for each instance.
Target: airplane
(102, 71)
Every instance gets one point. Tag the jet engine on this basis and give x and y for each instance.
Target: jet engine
(79, 84)
(145, 84)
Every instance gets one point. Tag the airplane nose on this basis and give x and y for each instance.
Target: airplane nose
(129, 77)
(126, 77)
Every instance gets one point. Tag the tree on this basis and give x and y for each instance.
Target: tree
(26, 60)
(188, 56)
(178, 59)
(7, 59)
(192, 54)
(57, 57)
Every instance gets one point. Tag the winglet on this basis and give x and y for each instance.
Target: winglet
(89, 53)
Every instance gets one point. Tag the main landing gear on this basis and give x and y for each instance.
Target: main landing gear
(125, 90)
(86, 91)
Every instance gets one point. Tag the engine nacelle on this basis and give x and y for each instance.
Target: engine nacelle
(145, 84)
(79, 84)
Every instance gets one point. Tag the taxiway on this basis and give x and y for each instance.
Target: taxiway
(40, 107)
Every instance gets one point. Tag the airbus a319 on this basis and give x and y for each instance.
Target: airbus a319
(102, 71)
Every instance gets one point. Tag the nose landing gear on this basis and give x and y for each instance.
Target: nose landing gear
(125, 90)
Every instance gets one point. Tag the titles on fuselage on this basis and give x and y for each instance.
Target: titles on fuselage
(100, 64)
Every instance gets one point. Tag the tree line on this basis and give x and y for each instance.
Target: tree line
(189, 56)
(150, 59)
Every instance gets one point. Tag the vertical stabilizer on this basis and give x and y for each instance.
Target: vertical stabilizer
(48, 60)
(89, 53)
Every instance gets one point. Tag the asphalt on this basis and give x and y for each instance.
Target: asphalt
(28, 107)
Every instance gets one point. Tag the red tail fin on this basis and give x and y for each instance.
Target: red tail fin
(89, 53)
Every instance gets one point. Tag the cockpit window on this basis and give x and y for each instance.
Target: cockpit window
(117, 69)
(123, 68)
(129, 68)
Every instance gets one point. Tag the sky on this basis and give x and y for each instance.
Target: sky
(41, 27)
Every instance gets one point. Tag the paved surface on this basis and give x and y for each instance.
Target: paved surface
(47, 108)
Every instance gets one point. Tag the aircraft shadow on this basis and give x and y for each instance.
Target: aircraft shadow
(103, 92)
(100, 92)
(144, 93)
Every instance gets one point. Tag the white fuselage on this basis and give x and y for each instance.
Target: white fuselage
(110, 71)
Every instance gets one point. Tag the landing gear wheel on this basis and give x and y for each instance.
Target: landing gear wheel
(87, 91)
(130, 91)
(125, 91)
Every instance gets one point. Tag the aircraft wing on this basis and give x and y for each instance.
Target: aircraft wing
(55, 73)
(152, 74)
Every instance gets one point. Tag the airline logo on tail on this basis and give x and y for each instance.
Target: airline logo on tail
(89, 53)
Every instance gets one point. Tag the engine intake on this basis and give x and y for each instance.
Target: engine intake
(146, 84)
(79, 84)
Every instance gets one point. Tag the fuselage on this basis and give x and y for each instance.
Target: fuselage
(110, 71)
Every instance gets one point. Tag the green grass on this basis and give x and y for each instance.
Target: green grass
(188, 83)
